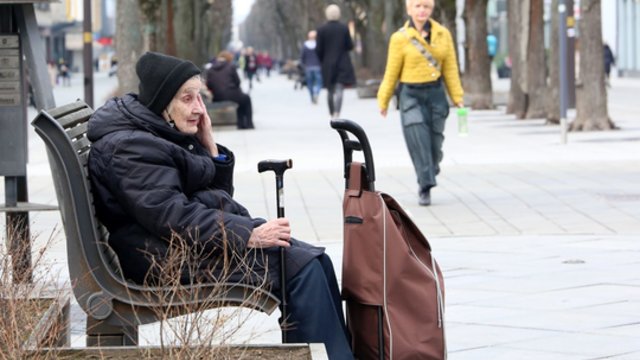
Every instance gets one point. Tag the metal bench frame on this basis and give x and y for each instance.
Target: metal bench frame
(114, 306)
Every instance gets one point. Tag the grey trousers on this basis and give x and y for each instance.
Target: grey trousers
(423, 111)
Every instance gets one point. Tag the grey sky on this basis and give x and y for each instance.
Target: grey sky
(241, 9)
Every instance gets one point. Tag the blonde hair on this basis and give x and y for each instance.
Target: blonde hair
(332, 12)
(410, 2)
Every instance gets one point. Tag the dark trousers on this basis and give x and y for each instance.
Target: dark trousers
(245, 109)
(423, 111)
(334, 98)
(315, 309)
(245, 112)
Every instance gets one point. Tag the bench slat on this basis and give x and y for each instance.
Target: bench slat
(82, 144)
(66, 109)
(78, 131)
(72, 119)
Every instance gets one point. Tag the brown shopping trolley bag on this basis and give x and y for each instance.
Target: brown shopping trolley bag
(392, 285)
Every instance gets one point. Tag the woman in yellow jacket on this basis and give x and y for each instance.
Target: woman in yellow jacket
(422, 57)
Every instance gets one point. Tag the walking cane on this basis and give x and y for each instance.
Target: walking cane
(279, 167)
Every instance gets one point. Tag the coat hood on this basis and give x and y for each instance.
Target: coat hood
(128, 114)
(219, 65)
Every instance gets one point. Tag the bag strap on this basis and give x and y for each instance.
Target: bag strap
(423, 50)
(354, 187)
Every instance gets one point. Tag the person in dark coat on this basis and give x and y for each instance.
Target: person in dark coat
(251, 66)
(159, 178)
(333, 44)
(224, 83)
(609, 61)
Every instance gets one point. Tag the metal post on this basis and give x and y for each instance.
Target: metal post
(13, 131)
(562, 19)
(87, 38)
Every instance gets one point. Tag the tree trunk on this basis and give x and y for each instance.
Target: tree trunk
(220, 15)
(185, 29)
(591, 105)
(477, 77)
(170, 38)
(536, 66)
(373, 38)
(389, 21)
(518, 19)
(129, 44)
(445, 13)
(553, 93)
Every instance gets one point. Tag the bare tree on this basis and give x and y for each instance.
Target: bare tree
(591, 105)
(519, 26)
(281, 26)
(445, 13)
(477, 77)
(129, 44)
(150, 10)
(535, 62)
(374, 38)
(553, 93)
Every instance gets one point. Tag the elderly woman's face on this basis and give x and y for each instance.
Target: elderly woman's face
(420, 10)
(186, 107)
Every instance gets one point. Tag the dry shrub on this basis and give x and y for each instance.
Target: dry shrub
(29, 310)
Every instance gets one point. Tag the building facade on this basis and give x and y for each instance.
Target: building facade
(627, 37)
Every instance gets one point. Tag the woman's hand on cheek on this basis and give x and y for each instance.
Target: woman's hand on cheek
(205, 131)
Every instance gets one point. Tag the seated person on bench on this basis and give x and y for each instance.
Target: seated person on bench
(223, 82)
(156, 171)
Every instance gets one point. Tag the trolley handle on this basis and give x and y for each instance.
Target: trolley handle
(344, 127)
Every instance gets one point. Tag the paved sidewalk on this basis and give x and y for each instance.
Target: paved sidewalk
(538, 240)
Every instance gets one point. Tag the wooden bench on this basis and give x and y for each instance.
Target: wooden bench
(114, 306)
(223, 113)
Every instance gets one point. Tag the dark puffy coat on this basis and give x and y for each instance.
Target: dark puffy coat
(151, 181)
(224, 82)
(333, 44)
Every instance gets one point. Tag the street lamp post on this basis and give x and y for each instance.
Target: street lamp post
(564, 89)
(87, 39)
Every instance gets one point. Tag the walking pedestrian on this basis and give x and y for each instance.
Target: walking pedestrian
(251, 66)
(333, 44)
(422, 58)
(64, 72)
(311, 64)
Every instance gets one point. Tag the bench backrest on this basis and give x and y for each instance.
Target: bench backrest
(93, 267)
(64, 130)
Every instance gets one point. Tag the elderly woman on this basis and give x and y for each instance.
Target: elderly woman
(159, 177)
(422, 57)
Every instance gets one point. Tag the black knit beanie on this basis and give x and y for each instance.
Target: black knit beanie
(161, 76)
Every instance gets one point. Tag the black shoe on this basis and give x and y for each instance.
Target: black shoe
(425, 197)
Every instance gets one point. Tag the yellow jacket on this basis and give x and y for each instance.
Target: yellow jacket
(407, 64)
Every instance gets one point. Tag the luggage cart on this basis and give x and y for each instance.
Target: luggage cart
(392, 285)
